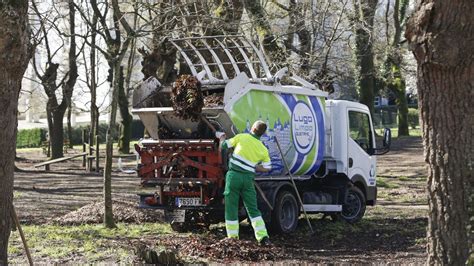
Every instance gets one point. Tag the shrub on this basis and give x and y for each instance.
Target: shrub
(29, 138)
(137, 132)
(77, 133)
(413, 117)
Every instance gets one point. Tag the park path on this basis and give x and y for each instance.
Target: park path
(41, 195)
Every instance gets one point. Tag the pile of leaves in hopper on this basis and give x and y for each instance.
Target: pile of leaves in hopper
(126, 212)
(187, 97)
(213, 100)
(223, 250)
(165, 133)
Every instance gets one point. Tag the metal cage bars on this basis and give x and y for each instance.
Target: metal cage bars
(218, 59)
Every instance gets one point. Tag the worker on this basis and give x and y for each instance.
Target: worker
(249, 156)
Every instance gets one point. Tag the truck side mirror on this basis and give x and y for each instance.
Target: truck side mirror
(386, 142)
(387, 138)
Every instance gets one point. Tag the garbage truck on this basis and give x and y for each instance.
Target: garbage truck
(327, 147)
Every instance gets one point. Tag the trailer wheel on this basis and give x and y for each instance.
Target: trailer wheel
(353, 208)
(285, 213)
(179, 227)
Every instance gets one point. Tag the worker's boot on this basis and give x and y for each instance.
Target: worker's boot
(265, 242)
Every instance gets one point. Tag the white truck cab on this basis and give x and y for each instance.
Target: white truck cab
(350, 144)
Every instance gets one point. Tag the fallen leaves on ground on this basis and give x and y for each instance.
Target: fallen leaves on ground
(93, 213)
(222, 250)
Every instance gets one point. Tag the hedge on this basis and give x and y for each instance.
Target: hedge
(76, 138)
(413, 117)
(30, 138)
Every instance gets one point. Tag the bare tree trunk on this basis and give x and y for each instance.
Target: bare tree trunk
(69, 125)
(124, 92)
(56, 130)
(72, 64)
(55, 111)
(93, 80)
(126, 124)
(14, 56)
(116, 50)
(441, 35)
(108, 213)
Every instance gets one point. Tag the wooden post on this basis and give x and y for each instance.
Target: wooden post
(46, 167)
(84, 147)
(97, 153)
(90, 153)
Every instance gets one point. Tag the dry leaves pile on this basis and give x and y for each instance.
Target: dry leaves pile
(187, 97)
(165, 133)
(93, 213)
(223, 250)
(213, 100)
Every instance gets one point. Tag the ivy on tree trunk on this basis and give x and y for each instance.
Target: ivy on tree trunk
(126, 123)
(269, 42)
(395, 80)
(364, 25)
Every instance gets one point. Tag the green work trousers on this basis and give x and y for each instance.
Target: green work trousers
(238, 185)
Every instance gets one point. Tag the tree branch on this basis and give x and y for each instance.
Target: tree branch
(122, 19)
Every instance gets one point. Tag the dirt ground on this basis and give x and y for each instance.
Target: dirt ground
(391, 232)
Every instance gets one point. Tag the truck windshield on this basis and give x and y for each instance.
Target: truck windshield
(359, 130)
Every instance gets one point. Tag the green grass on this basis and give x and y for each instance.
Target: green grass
(413, 132)
(382, 212)
(91, 242)
(402, 189)
(386, 182)
(29, 149)
(404, 178)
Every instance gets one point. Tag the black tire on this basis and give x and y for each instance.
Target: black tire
(285, 213)
(335, 217)
(180, 227)
(354, 206)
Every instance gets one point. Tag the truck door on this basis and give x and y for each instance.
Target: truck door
(360, 150)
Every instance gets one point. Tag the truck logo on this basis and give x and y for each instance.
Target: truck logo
(303, 127)
(305, 119)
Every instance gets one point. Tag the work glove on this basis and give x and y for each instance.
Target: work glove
(220, 135)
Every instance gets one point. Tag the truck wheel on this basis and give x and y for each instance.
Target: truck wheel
(353, 208)
(179, 227)
(285, 213)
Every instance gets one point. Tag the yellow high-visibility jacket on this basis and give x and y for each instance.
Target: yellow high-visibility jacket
(248, 152)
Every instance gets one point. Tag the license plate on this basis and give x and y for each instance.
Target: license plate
(176, 216)
(188, 202)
